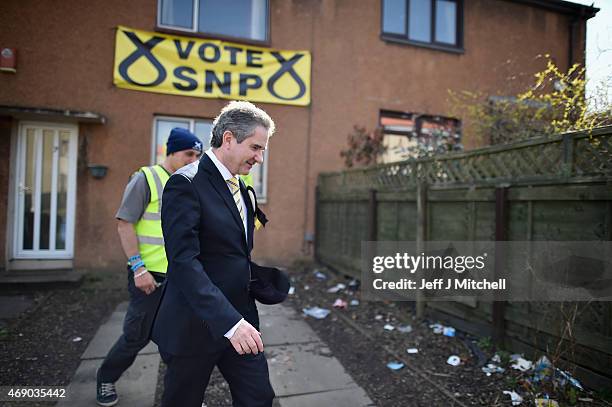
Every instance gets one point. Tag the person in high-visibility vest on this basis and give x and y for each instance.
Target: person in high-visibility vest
(248, 180)
(140, 232)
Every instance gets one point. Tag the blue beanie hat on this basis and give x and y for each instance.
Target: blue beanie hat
(182, 139)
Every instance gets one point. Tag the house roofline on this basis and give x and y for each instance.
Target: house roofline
(560, 6)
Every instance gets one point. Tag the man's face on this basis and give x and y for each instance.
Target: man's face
(182, 158)
(241, 157)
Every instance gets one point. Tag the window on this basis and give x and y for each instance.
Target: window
(412, 135)
(431, 23)
(236, 18)
(202, 129)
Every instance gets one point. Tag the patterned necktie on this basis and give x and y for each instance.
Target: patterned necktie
(234, 185)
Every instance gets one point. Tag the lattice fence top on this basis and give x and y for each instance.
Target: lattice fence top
(565, 157)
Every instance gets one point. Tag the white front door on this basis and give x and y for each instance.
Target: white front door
(45, 191)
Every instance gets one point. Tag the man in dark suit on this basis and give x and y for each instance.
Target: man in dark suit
(208, 315)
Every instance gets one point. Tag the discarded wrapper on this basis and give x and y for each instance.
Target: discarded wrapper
(388, 327)
(412, 350)
(565, 375)
(515, 397)
(340, 303)
(448, 331)
(492, 368)
(319, 275)
(316, 312)
(405, 329)
(395, 365)
(522, 364)
(545, 403)
(336, 288)
(454, 360)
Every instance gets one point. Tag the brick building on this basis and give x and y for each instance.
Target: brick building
(71, 135)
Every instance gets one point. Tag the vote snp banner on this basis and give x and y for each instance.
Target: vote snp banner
(154, 62)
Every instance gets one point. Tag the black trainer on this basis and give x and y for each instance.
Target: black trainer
(106, 394)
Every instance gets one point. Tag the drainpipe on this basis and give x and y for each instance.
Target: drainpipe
(572, 37)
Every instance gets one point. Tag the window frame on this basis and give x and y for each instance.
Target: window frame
(418, 119)
(156, 118)
(194, 32)
(458, 47)
(261, 197)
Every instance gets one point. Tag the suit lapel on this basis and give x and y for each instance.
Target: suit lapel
(222, 189)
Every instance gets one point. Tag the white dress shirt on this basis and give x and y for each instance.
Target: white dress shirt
(226, 174)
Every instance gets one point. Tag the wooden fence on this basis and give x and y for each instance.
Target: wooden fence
(557, 189)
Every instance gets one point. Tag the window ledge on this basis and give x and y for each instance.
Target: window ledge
(437, 47)
(210, 36)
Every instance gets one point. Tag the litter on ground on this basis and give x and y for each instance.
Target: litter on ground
(340, 303)
(395, 365)
(454, 360)
(515, 397)
(316, 312)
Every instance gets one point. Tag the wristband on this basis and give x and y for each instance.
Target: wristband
(140, 274)
(134, 259)
(136, 266)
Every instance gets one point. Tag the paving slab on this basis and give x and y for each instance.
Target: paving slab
(136, 388)
(278, 309)
(305, 368)
(353, 397)
(285, 329)
(303, 371)
(108, 333)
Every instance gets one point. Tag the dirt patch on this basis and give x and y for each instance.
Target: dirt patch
(358, 338)
(43, 346)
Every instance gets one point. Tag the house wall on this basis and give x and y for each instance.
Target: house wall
(65, 61)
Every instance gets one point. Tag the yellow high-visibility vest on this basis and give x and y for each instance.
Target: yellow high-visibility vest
(148, 228)
(248, 180)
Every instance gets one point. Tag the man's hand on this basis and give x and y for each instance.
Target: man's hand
(247, 339)
(144, 282)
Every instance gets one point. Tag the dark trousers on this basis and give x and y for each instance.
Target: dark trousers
(136, 332)
(187, 378)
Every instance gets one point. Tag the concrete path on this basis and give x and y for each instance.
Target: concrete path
(303, 371)
(136, 388)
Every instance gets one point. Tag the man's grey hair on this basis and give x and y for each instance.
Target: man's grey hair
(241, 118)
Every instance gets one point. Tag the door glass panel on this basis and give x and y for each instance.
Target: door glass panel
(45, 196)
(62, 190)
(27, 188)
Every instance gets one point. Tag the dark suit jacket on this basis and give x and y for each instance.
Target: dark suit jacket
(209, 262)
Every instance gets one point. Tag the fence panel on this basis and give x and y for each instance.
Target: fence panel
(557, 189)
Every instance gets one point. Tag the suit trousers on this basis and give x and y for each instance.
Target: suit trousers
(136, 332)
(187, 378)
